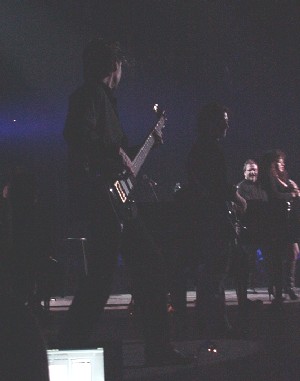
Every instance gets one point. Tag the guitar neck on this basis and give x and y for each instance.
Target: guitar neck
(141, 156)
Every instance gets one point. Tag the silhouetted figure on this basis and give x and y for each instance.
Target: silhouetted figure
(209, 192)
(22, 198)
(97, 147)
(23, 353)
(27, 238)
(5, 228)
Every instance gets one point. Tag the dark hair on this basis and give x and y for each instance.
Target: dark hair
(268, 165)
(100, 58)
(248, 162)
(209, 113)
(278, 154)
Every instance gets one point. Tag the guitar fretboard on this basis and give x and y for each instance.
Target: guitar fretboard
(142, 154)
(146, 147)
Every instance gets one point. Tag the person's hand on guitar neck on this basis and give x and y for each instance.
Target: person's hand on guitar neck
(157, 137)
(126, 161)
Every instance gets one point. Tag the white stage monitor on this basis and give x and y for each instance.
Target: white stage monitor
(76, 364)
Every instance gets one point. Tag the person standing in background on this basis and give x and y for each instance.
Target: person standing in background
(254, 219)
(284, 224)
(208, 194)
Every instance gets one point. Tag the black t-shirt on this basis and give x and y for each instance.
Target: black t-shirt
(94, 137)
(93, 132)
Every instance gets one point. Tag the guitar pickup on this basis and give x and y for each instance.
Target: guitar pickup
(123, 188)
(120, 191)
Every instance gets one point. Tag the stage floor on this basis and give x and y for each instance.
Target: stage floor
(121, 301)
(269, 351)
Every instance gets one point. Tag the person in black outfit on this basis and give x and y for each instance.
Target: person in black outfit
(5, 229)
(23, 353)
(253, 220)
(97, 147)
(289, 264)
(250, 188)
(25, 253)
(209, 192)
(283, 225)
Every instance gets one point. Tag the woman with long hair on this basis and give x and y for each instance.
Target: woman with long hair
(283, 225)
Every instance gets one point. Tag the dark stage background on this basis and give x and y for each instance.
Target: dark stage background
(244, 54)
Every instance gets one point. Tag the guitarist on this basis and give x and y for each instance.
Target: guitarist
(97, 154)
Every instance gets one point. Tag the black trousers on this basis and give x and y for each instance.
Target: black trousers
(24, 257)
(105, 239)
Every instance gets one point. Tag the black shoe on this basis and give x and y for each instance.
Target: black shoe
(166, 357)
(291, 293)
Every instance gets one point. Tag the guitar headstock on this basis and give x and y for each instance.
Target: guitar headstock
(159, 111)
(160, 124)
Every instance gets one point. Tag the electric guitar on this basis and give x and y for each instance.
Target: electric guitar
(120, 188)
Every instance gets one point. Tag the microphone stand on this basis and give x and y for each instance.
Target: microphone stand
(152, 185)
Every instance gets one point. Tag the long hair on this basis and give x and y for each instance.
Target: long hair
(268, 166)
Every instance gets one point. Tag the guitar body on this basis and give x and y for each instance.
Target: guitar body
(120, 196)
